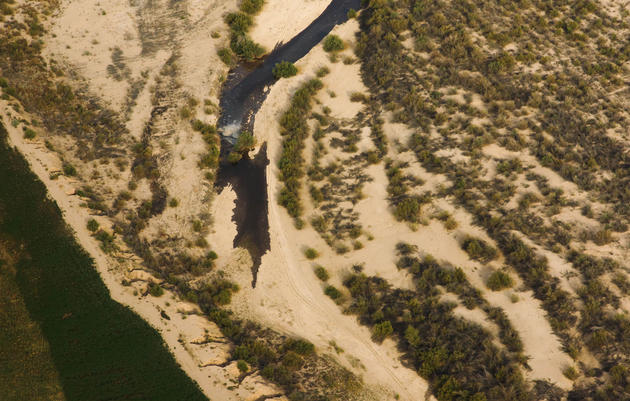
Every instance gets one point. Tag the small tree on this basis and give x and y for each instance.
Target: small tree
(333, 43)
(284, 69)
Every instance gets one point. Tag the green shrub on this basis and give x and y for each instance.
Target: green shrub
(239, 22)
(155, 290)
(333, 293)
(242, 366)
(234, 157)
(322, 273)
(333, 43)
(92, 225)
(173, 202)
(499, 280)
(408, 210)
(381, 331)
(322, 72)
(226, 56)
(479, 249)
(570, 373)
(252, 6)
(245, 142)
(310, 253)
(284, 69)
(69, 170)
(245, 47)
(29, 133)
(352, 13)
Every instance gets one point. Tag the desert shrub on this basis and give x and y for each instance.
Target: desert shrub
(29, 133)
(322, 273)
(381, 331)
(92, 225)
(252, 6)
(333, 43)
(333, 293)
(226, 56)
(570, 373)
(246, 48)
(352, 13)
(107, 241)
(284, 69)
(69, 170)
(173, 202)
(499, 280)
(245, 142)
(311, 253)
(322, 72)
(478, 249)
(239, 22)
(408, 210)
(155, 290)
(242, 366)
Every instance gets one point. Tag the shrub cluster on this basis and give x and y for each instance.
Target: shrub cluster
(294, 129)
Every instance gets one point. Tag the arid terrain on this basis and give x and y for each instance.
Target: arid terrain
(448, 190)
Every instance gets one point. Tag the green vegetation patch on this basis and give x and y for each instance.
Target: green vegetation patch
(284, 69)
(101, 349)
(294, 129)
(333, 43)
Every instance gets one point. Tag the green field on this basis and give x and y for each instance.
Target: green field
(100, 349)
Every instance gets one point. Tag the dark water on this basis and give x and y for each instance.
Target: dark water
(243, 93)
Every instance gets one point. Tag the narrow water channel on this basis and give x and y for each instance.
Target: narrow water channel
(243, 93)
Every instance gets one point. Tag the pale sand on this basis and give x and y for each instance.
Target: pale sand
(281, 20)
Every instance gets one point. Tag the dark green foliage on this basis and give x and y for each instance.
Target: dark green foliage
(456, 356)
(284, 69)
(333, 43)
(499, 280)
(100, 348)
